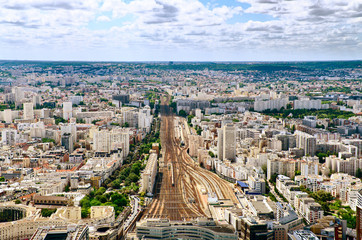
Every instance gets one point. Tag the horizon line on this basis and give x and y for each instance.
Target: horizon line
(179, 61)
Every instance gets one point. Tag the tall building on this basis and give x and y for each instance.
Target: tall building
(281, 166)
(105, 141)
(28, 111)
(145, 118)
(67, 110)
(307, 142)
(288, 141)
(67, 142)
(9, 136)
(70, 128)
(19, 94)
(36, 100)
(359, 215)
(227, 142)
(149, 174)
(8, 116)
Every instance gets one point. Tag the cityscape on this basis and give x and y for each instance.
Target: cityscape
(180, 119)
(181, 150)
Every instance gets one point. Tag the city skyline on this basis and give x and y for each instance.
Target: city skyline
(180, 30)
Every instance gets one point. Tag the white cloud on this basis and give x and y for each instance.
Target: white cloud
(103, 19)
(301, 27)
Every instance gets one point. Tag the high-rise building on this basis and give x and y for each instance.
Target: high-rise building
(9, 136)
(359, 215)
(105, 141)
(8, 116)
(70, 128)
(36, 100)
(19, 94)
(28, 111)
(307, 142)
(145, 118)
(149, 174)
(67, 110)
(67, 142)
(227, 142)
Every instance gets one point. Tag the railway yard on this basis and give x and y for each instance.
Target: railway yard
(183, 186)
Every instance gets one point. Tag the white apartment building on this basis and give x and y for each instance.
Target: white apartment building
(105, 141)
(67, 110)
(277, 104)
(145, 118)
(28, 111)
(9, 136)
(149, 174)
(307, 104)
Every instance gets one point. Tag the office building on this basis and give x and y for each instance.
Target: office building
(67, 142)
(227, 142)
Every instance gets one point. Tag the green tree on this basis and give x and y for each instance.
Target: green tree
(47, 140)
(359, 173)
(273, 177)
(182, 113)
(45, 212)
(264, 168)
(85, 212)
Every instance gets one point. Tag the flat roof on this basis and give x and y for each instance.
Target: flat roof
(242, 184)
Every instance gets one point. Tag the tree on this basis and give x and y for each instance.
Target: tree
(273, 177)
(45, 212)
(182, 113)
(264, 168)
(293, 129)
(100, 191)
(47, 140)
(189, 118)
(211, 154)
(17, 201)
(125, 125)
(133, 177)
(359, 173)
(85, 212)
(2, 179)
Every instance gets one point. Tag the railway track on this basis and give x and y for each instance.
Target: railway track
(178, 196)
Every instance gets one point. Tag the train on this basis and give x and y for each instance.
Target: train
(172, 175)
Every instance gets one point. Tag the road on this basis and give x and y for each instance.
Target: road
(134, 214)
(178, 195)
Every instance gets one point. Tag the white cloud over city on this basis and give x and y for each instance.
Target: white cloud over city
(152, 30)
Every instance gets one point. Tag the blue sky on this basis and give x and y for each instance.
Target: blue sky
(184, 30)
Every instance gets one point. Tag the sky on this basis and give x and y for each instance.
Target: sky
(181, 30)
